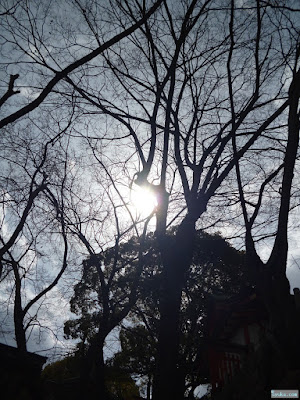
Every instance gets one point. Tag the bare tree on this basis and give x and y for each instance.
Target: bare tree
(28, 217)
(28, 38)
(270, 276)
(35, 180)
(199, 89)
(192, 94)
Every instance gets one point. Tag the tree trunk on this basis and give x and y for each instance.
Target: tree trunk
(19, 331)
(18, 318)
(92, 376)
(18, 311)
(176, 257)
(165, 382)
(283, 331)
(284, 321)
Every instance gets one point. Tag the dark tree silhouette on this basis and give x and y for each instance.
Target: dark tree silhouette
(105, 295)
(197, 101)
(216, 266)
(36, 156)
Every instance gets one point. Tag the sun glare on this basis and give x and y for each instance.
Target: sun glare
(143, 200)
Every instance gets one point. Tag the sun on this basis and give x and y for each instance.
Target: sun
(143, 200)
